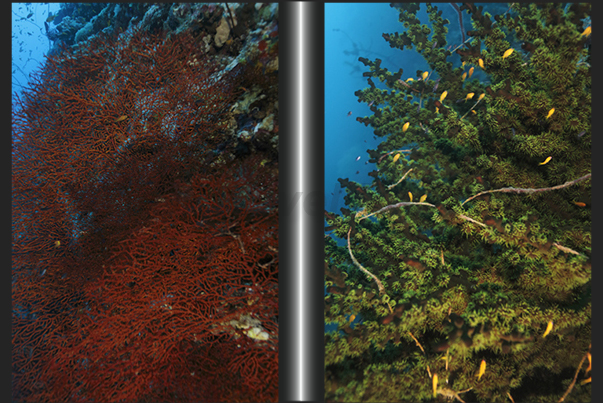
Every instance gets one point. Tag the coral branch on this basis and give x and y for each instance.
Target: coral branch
(530, 191)
(401, 204)
(458, 11)
(571, 386)
(401, 179)
(566, 249)
(365, 271)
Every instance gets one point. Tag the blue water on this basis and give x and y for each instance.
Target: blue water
(29, 42)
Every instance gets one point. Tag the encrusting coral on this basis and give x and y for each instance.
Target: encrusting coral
(466, 265)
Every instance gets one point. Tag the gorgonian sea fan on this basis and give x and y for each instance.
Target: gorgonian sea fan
(144, 260)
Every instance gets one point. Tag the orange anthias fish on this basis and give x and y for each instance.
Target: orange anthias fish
(508, 53)
(482, 369)
(549, 327)
(545, 161)
(119, 119)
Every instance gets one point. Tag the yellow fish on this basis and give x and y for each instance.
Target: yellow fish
(405, 127)
(550, 113)
(425, 74)
(463, 76)
(482, 369)
(471, 72)
(423, 198)
(57, 244)
(434, 382)
(549, 326)
(443, 95)
(410, 195)
(508, 53)
(481, 96)
(586, 32)
(463, 64)
(409, 80)
(396, 157)
(437, 110)
(545, 161)
(481, 63)
(352, 317)
(119, 119)
(469, 96)
(474, 112)
(580, 204)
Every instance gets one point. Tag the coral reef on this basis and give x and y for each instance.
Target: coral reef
(145, 229)
(466, 271)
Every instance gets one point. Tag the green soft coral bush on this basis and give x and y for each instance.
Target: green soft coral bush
(470, 240)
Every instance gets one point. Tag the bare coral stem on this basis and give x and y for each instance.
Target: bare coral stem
(569, 389)
(401, 204)
(365, 271)
(530, 191)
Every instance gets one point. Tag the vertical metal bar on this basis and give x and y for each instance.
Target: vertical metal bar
(301, 183)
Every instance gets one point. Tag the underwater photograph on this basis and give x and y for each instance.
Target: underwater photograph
(457, 202)
(145, 202)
